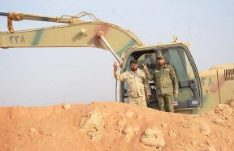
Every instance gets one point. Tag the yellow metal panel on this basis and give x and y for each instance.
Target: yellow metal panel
(210, 89)
(226, 84)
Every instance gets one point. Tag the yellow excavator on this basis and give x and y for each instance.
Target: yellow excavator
(198, 92)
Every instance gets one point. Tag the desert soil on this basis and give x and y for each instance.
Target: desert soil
(110, 126)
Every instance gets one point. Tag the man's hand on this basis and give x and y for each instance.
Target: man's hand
(145, 68)
(147, 97)
(115, 65)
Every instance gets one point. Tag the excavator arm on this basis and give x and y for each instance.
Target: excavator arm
(75, 33)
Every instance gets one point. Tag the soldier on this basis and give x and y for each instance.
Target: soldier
(166, 84)
(137, 83)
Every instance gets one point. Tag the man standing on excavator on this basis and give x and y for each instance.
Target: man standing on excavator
(166, 83)
(137, 83)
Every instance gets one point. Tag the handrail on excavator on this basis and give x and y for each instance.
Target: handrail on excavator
(15, 16)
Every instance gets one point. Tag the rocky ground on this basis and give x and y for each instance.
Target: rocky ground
(110, 126)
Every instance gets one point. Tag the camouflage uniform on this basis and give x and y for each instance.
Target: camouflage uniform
(166, 84)
(137, 84)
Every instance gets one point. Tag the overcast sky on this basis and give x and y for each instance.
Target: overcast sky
(49, 76)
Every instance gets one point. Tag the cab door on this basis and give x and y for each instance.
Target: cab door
(177, 55)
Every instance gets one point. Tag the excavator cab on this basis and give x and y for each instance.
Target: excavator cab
(177, 55)
(121, 42)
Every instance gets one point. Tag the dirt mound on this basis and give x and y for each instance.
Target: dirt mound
(114, 127)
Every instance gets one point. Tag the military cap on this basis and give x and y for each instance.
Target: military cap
(160, 57)
(133, 61)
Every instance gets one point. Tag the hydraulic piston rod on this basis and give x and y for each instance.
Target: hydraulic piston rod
(101, 35)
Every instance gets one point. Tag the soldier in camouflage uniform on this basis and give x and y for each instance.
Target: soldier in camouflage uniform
(137, 83)
(166, 84)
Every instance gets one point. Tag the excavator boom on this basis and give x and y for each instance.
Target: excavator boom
(78, 33)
